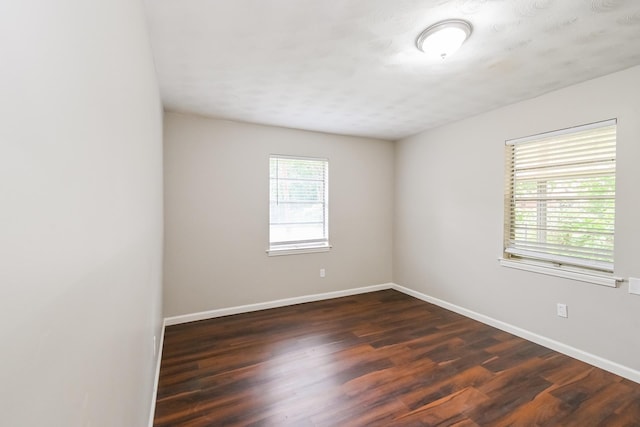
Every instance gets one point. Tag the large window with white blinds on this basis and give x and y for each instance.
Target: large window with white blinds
(298, 218)
(560, 197)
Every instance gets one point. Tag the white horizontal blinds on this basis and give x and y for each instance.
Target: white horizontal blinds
(298, 201)
(560, 196)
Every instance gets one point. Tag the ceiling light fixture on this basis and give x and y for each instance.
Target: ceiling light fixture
(444, 38)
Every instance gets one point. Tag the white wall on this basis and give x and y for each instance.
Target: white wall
(449, 216)
(80, 213)
(217, 214)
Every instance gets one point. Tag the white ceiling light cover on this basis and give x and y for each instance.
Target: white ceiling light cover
(444, 38)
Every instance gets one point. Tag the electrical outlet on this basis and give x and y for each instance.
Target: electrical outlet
(562, 310)
(634, 285)
(322, 272)
(155, 346)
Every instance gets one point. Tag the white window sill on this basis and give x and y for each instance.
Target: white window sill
(291, 250)
(602, 279)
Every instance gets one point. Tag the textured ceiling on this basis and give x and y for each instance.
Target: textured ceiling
(351, 66)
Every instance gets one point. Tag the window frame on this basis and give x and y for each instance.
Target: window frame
(554, 264)
(302, 245)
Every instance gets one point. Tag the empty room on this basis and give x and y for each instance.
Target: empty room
(311, 213)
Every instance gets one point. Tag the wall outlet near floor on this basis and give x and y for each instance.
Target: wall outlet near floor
(322, 272)
(634, 285)
(561, 310)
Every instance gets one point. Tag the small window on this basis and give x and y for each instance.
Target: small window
(298, 213)
(560, 198)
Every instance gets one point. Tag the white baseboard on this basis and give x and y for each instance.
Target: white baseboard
(210, 314)
(592, 359)
(156, 379)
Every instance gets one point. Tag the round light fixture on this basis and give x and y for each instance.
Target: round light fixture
(444, 38)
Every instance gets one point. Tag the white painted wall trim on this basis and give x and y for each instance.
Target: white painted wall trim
(154, 395)
(592, 359)
(604, 279)
(210, 314)
(607, 365)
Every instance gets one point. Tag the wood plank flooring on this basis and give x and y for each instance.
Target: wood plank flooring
(377, 359)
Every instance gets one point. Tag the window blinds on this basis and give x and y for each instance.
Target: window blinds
(298, 202)
(560, 196)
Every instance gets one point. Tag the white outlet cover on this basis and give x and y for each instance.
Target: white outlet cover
(562, 310)
(634, 285)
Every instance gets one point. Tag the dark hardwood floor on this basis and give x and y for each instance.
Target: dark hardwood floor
(377, 359)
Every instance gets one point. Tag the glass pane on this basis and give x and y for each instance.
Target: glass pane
(563, 195)
(287, 213)
(297, 199)
(290, 233)
(286, 168)
(297, 191)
